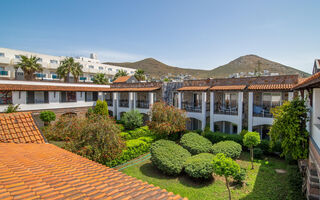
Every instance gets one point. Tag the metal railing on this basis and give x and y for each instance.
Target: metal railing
(124, 103)
(4, 73)
(191, 107)
(225, 109)
(264, 109)
(109, 102)
(142, 104)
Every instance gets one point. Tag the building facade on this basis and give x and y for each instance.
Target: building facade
(91, 66)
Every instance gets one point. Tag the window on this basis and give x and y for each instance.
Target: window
(110, 69)
(271, 99)
(37, 97)
(5, 97)
(17, 57)
(91, 66)
(68, 96)
(53, 61)
(100, 68)
(196, 99)
(91, 96)
(40, 60)
(230, 100)
(1, 54)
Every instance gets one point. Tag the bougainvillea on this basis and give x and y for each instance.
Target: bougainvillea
(167, 119)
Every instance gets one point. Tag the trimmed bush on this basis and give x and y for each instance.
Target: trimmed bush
(168, 156)
(101, 108)
(132, 119)
(195, 143)
(47, 117)
(241, 176)
(257, 152)
(200, 166)
(229, 148)
(216, 137)
(136, 133)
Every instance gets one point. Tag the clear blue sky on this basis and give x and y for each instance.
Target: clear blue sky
(186, 33)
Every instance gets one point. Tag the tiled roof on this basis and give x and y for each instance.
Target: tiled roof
(19, 128)
(228, 87)
(271, 87)
(19, 87)
(308, 81)
(140, 89)
(122, 79)
(194, 88)
(44, 171)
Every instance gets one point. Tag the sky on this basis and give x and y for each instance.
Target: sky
(201, 34)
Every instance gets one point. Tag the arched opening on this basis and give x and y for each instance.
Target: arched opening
(193, 124)
(263, 130)
(226, 127)
(69, 114)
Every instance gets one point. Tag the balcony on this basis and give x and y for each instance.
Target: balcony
(224, 109)
(83, 78)
(191, 107)
(143, 104)
(124, 103)
(4, 73)
(264, 109)
(109, 102)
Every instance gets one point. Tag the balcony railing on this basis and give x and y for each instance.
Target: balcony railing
(109, 102)
(264, 109)
(3, 73)
(124, 103)
(83, 78)
(143, 104)
(191, 107)
(225, 109)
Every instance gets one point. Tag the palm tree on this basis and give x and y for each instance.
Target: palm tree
(67, 67)
(100, 78)
(139, 75)
(29, 66)
(120, 73)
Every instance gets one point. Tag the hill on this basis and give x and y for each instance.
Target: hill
(245, 64)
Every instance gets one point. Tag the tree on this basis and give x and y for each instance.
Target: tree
(47, 117)
(166, 120)
(101, 108)
(225, 166)
(69, 66)
(250, 140)
(29, 66)
(139, 75)
(100, 78)
(120, 73)
(289, 128)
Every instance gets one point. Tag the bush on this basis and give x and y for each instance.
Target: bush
(265, 146)
(195, 143)
(132, 119)
(295, 184)
(229, 148)
(101, 108)
(200, 166)
(12, 108)
(216, 137)
(168, 156)
(47, 116)
(257, 152)
(241, 176)
(167, 120)
(136, 133)
(243, 132)
(250, 140)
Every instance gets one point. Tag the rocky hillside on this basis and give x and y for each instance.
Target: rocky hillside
(244, 64)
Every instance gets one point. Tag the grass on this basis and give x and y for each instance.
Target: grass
(261, 183)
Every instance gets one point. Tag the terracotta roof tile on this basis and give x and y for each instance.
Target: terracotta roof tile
(122, 79)
(271, 87)
(308, 81)
(13, 129)
(228, 87)
(194, 88)
(19, 87)
(138, 89)
(39, 171)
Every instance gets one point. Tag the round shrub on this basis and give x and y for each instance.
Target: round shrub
(168, 156)
(200, 166)
(195, 143)
(257, 152)
(47, 116)
(132, 119)
(229, 148)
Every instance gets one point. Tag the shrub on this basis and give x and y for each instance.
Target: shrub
(168, 156)
(97, 138)
(167, 120)
(295, 184)
(229, 148)
(101, 108)
(200, 166)
(251, 139)
(265, 146)
(216, 137)
(12, 108)
(257, 153)
(132, 119)
(136, 133)
(241, 176)
(47, 116)
(89, 112)
(195, 143)
(243, 132)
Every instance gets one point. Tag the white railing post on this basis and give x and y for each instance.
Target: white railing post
(250, 111)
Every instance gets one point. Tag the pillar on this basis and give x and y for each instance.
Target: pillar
(134, 100)
(290, 96)
(180, 100)
(250, 111)
(240, 108)
(116, 113)
(212, 111)
(203, 109)
(130, 101)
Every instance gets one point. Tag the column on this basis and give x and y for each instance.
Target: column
(130, 101)
(100, 96)
(151, 98)
(212, 111)
(240, 108)
(116, 97)
(290, 96)
(134, 100)
(203, 109)
(180, 100)
(250, 111)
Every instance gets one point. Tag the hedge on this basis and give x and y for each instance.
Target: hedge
(229, 148)
(136, 133)
(168, 156)
(200, 166)
(195, 143)
(216, 137)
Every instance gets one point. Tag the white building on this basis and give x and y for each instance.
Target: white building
(91, 66)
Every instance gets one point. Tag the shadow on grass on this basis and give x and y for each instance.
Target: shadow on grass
(185, 180)
(151, 171)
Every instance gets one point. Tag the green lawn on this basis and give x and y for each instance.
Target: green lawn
(261, 183)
